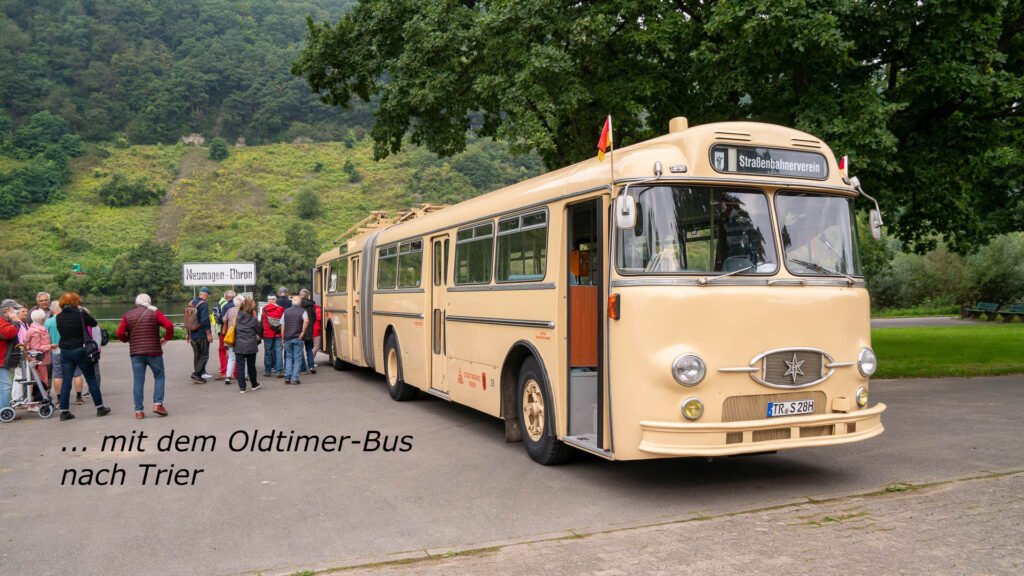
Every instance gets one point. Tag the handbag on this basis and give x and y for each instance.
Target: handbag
(92, 349)
(14, 354)
(229, 336)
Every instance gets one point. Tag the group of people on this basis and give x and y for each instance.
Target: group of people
(288, 327)
(55, 332)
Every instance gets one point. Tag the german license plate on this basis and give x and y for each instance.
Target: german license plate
(790, 408)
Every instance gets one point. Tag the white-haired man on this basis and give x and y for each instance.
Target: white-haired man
(140, 328)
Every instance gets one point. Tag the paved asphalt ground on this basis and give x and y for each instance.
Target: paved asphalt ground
(460, 488)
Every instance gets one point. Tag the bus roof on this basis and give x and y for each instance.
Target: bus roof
(682, 147)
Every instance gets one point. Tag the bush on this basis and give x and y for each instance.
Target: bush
(218, 149)
(350, 169)
(120, 190)
(308, 204)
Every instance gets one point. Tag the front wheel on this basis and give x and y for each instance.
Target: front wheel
(6, 414)
(537, 419)
(399, 390)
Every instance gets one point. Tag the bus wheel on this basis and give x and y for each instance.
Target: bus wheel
(537, 419)
(399, 390)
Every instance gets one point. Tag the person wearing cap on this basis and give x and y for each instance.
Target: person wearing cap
(8, 340)
(201, 337)
(273, 350)
(283, 300)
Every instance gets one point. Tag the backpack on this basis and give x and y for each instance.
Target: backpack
(274, 323)
(192, 321)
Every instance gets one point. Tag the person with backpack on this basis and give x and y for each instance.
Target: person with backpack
(199, 333)
(273, 350)
(220, 312)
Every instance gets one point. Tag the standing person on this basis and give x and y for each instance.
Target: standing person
(317, 333)
(248, 334)
(42, 303)
(282, 298)
(307, 333)
(231, 312)
(226, 303)
(140, 328)
(37, 339)
(71, 324)
(293, 325)
(8, 340)
(273, 350)
(201, 337)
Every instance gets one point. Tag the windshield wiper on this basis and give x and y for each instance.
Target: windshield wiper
(706, 281)
(819, 268)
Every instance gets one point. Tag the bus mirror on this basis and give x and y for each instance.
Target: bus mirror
(625, 212)
(875, 218)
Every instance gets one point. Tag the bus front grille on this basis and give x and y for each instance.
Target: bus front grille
(740, 408)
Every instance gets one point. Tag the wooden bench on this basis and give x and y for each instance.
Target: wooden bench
(989, 309)
(1012, 312)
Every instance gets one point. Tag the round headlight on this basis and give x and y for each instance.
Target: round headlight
(862, 396)
(693, 408)
(688, 369)
(867, 363)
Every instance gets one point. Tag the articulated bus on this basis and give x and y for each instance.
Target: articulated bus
(700, 296)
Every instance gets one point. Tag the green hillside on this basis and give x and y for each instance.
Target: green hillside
(243, 207)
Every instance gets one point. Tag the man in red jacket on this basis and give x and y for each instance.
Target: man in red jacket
(8, 340)
(140, 328)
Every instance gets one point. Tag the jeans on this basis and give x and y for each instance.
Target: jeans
(230, 371)
(246, 362)
(156, 363)
(200, 354)
(272, 356)
(307, 360)
(70, 359)
(5, 387)
(292, 359)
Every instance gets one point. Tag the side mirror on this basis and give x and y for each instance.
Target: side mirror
(625, 212)
(875, 219)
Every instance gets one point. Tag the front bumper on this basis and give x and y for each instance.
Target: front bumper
(727, 438)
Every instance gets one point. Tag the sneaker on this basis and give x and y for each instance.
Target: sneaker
(159, 409)
(206, 376)
(87, 393)
(79, 401)
(288, 381)
(140, 415)
(241, 391)
(197, 380)
(257, 386)
(312, 370)
(218, 377)
(66, 416)
(102, 411)
(296, 382)
(227, 380)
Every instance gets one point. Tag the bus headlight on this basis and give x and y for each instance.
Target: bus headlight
(867, 363)
(688, 369)
(693, 408)
(862, 396)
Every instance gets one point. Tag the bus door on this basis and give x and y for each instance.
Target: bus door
(353, 312)
(584, 276)
(438, 295)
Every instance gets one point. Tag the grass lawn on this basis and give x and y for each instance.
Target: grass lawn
(919, 312)
(932, 352)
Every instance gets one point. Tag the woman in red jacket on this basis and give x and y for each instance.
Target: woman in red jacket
(8, 340)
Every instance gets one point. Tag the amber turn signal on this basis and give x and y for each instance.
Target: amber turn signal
(613, 306)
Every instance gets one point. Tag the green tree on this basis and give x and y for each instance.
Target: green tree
(300, 237)
(925, 97)
(276, 265)
(308, 204)
(150, 267)
(218, 149)
(122, 190)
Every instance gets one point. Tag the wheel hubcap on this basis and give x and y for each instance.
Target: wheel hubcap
(392, 368)
(533, 410)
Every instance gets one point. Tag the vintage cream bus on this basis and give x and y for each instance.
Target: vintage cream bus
(703, 297)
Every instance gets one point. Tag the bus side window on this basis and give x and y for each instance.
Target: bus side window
(474, 254)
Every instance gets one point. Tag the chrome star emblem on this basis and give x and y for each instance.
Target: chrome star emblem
(794, 368)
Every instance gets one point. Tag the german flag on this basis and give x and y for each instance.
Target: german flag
(606, 138)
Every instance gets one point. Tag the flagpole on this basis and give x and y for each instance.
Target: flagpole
(611, 149)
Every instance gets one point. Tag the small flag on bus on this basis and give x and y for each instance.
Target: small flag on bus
(844, 166)
(606, 138)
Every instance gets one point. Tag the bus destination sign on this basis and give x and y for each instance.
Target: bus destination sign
(768, 162)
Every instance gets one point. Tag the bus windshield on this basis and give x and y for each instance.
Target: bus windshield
(819, 235)
(698, 230)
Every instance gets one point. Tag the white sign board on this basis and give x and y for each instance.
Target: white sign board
(219, 273)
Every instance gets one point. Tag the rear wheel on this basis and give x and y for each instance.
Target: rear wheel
(46, 410)
(399, 390)
(6, 414)
(537, 418)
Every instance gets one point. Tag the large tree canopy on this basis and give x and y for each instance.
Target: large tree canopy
(925, 97)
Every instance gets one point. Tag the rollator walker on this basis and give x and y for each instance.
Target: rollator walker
(28, 377)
